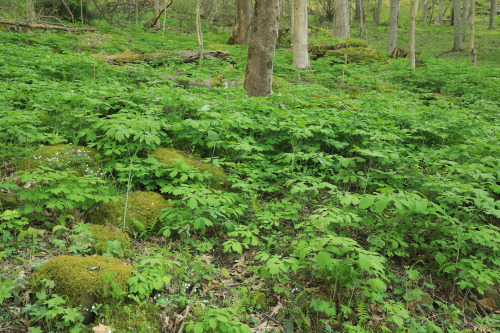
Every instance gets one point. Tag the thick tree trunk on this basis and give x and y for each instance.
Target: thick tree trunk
(341, 16)
(472, 32)
(300, 56)
(260, 59)
(393, 25)
(241, 30)
(457, 26)
(30, 11)
(156, 8)
(413, 17)
(376, 13)
(493, 13)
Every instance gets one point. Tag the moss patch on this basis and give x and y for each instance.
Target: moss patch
(142, 213)
(82, 278)
(133, 318)
(321, 48)
(103, 234)
(358, 54)
(63, 157)
(169, 156)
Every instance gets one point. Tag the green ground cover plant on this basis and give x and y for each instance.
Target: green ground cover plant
(356, 198)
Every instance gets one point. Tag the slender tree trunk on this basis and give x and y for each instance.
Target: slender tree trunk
(300, 56)
(376, 13)
(241, 30)
(260, 59)
(30, 11)
(465, 19)
(198, 29)
(493, 13)
(156, 8)
(393, 25)
(136, 12)
(341, 18)
(439, 19)
(425, 9)
(413, 17)
(472, 32)
(362, 20)
(358, 9)
(457, 26)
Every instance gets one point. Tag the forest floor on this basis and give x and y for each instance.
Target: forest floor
(360, 197)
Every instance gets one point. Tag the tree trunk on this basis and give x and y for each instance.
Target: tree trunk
(457, 26)
(198, 29)
(300, 56)
(472, 32)
(341, 18)
(376, 13)
(30, 11)
(241, 30)
(493, 13)
(425, 8)
(413, 17)
(156, 8)
(439, 19)
(358, 9)
(260, 59)
(465, 19)
(362, 20)
(393, 26)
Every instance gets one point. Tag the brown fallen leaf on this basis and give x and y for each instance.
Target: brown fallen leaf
(488, 304)
(102, 329)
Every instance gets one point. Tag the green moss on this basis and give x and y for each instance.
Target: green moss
(321, 48)
(63, 157)
(8, 200)
(259, 298)
(103, 234)
(82, 278)
(358, 54)
(280, 84)
(142, 213)
(132, 318)
(169, 156)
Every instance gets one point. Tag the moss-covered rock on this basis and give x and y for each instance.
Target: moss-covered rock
(127, 318)
(321, 48)
(81, 279)
(169, 156)
(358, 54)
(8, 200)
(81, 160)
(280, 84)
(102, 234)
(142, 212)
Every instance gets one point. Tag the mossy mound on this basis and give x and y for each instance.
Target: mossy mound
(82, 279)
(102, 234)
(320, 50)
(142, 212)
(79, 159)
(8, 200)
(280, 84)
(169, 156)
(358, 54)
(133, 318)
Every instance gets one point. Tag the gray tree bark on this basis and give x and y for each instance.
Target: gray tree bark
(457, 26)
(30, 11)
(472, 32)
(241, 30)
(260, 59)
(425, 9)
(465, 19)
(156, 8)
(300, 56)
(341, 15)
(493, 13)
(413, 17)
(393, 25)
(376, 13)
(439, 18)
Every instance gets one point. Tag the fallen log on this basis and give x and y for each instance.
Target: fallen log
(45, 26)
(187, 56)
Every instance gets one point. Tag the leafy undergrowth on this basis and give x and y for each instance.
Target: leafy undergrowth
(369, 202)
